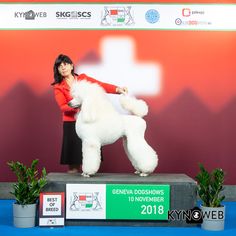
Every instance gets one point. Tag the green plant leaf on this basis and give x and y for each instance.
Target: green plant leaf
(210, 186)
(29, 184)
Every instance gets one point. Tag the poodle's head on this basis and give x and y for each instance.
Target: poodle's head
(82, 90)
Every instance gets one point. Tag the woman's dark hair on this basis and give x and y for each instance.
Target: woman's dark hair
(60, 59)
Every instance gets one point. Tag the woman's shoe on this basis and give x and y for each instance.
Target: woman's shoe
(72, 171)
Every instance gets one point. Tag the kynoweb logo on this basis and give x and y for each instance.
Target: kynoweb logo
(195, 215)
(30, 15)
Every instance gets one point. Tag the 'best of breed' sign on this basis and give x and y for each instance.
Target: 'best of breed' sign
(52, 209)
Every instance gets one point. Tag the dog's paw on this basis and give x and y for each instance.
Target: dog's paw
(137, 172)
(143, 174)
(85, 175)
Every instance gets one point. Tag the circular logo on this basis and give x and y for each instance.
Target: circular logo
(178, 21)
(152, 16)
(196, 214)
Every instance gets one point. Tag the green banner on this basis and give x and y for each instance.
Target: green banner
(137, 202)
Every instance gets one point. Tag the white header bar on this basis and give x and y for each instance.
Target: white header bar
(117, 16)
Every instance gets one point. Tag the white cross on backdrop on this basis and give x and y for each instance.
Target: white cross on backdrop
(119, 66)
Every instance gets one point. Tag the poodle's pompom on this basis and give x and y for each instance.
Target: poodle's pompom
(136, 106)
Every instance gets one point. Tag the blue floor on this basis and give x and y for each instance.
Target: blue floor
(7, 228)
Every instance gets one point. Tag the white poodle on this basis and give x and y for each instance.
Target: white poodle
(98, 123)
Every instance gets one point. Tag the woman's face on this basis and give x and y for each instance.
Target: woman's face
(65, 69)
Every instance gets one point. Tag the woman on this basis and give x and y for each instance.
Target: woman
(71, 153)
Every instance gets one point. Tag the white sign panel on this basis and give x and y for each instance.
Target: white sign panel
(52, 205)
(51, 209)
(117, 16)
(85, 201)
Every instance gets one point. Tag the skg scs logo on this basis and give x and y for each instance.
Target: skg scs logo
(73, 14)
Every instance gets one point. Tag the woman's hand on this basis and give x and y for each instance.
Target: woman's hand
(122, 90)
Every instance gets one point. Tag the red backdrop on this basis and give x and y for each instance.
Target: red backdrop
(191, 121)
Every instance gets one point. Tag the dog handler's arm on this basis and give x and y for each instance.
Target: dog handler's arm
(62, 102)
(109, 88)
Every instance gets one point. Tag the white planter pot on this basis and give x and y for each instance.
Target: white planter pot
(213, 218)
(24, 215)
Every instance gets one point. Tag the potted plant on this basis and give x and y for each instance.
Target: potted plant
(26, 191)
(210, 186)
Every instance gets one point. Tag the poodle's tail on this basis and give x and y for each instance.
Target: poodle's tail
(136, 106)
